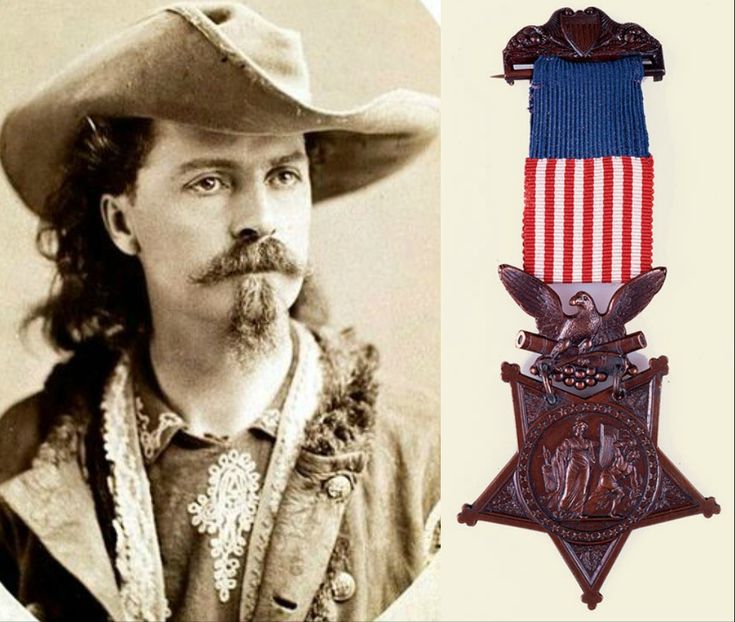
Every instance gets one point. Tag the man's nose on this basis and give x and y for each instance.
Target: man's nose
(252, 216)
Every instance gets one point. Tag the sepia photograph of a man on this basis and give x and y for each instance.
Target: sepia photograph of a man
(221, 371)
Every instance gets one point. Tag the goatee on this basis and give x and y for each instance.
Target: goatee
(254, 327)
(254, 319)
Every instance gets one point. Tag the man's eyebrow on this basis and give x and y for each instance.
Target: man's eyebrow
(296, 156)
(200, 163)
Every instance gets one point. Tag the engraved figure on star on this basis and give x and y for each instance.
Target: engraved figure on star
(619, 478)
(567, 472)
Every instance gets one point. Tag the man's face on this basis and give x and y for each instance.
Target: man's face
(204, 203)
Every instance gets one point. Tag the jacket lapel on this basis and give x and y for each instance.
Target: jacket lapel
(300, 404)
(137, 553)
(305, 533)
(334, 451)
(55, 503)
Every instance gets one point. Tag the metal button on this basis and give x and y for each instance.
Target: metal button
(338, 487)
(343, 587)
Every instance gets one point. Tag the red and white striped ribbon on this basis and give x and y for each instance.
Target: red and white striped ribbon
(588, 220)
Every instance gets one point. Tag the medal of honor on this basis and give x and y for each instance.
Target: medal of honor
(588, 468)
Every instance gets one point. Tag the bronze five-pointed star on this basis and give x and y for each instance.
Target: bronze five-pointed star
(588, 471)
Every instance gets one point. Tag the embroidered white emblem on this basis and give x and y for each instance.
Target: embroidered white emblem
(226, 513)
(150, 440)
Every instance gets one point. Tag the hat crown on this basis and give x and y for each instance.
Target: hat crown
(244, 35)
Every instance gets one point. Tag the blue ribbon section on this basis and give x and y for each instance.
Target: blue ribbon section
(587, 109)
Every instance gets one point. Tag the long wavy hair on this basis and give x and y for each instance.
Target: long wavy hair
(98, 295)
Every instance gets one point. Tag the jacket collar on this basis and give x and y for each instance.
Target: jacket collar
(56, 504)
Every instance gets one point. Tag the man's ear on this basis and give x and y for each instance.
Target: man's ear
(116, 215)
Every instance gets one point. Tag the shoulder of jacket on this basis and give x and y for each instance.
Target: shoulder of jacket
(405, 453)
(22, 430)
(408, 416)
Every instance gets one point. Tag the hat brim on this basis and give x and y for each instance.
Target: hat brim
(167, 68)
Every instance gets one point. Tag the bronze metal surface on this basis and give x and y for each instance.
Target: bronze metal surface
(587, 472)
(588, 35)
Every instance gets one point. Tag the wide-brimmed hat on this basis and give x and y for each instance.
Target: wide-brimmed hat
(216, 66)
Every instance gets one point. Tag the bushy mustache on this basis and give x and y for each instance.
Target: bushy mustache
(246, 257)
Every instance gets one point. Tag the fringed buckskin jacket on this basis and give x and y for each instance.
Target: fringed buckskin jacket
(347, 517)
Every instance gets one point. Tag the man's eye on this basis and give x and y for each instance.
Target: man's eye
(285, 177)
(211, 184)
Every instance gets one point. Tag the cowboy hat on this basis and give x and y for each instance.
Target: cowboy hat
(220, 67)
